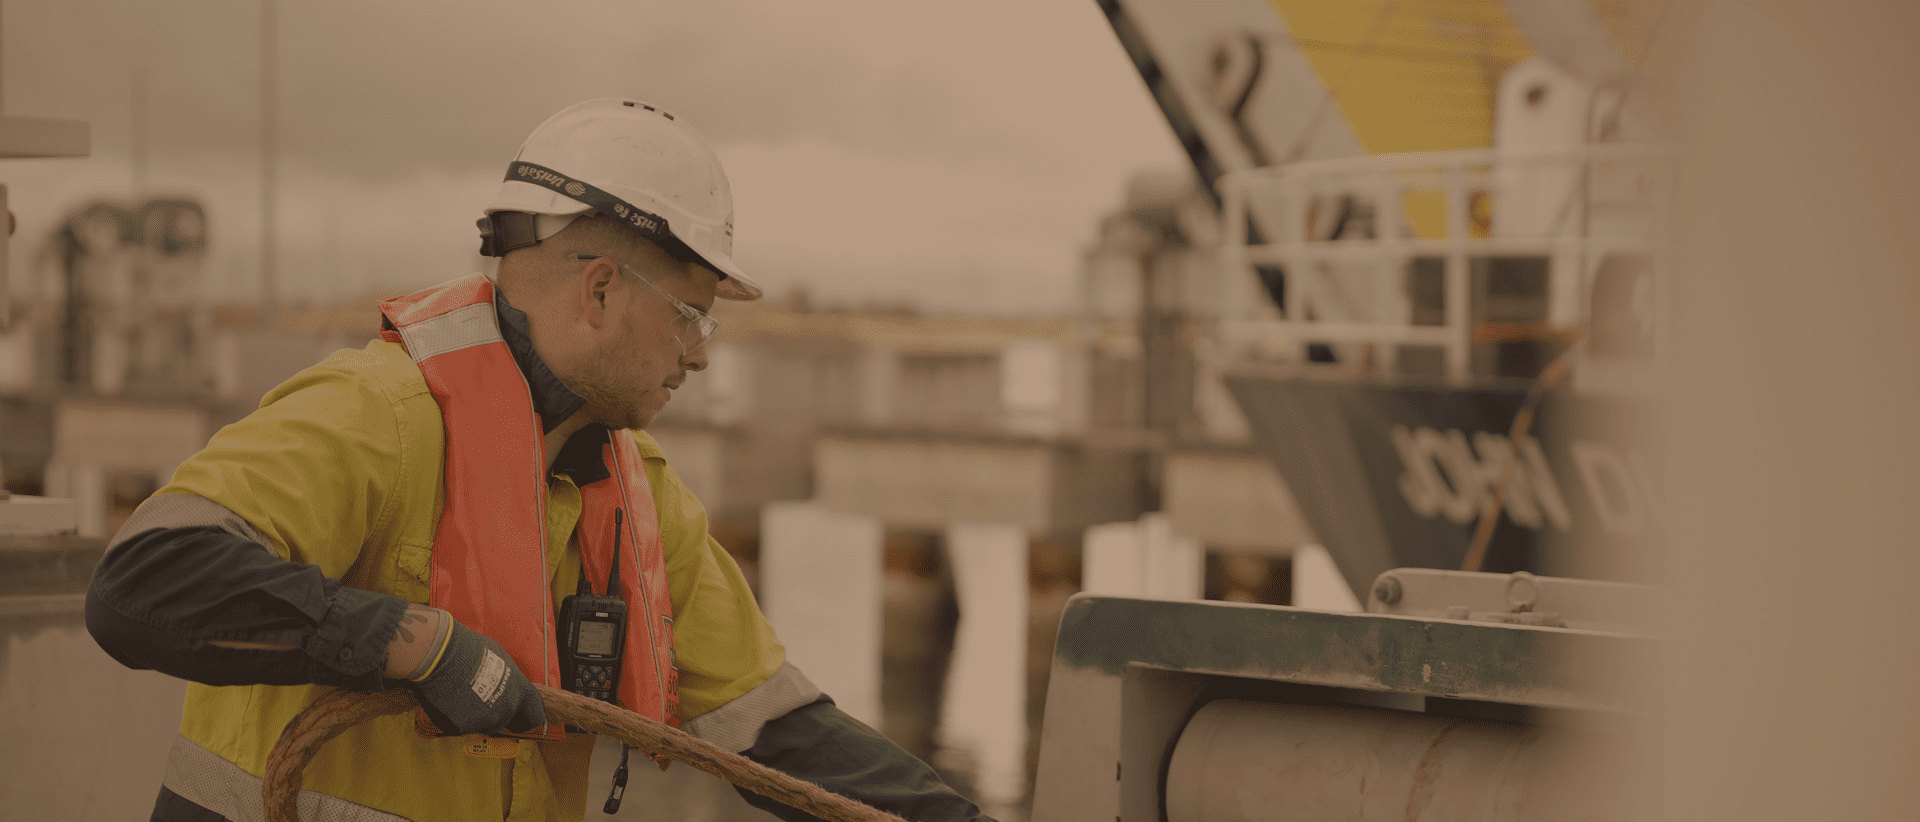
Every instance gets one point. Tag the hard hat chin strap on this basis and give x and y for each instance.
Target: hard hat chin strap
(497, 237)
(504, 231)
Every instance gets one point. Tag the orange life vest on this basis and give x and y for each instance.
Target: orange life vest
(489, 565)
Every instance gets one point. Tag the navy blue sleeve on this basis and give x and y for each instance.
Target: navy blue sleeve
(158, 598)
(821, 744)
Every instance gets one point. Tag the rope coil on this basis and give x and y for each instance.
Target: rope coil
(337, 711)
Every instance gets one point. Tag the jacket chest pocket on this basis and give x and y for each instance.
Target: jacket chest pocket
(412, 570)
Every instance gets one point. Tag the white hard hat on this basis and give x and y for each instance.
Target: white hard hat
(628, 160)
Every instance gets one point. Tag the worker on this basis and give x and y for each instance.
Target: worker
(419, 514)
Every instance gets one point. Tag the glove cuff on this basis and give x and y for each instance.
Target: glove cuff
(441, 639)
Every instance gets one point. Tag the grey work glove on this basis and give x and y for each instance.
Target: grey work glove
(476, 688)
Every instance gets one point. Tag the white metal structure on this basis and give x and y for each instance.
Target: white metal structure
(1574, 208)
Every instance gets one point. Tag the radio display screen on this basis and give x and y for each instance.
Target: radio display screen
(595, 638)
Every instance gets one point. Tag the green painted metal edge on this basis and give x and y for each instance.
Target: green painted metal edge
(1549, 667)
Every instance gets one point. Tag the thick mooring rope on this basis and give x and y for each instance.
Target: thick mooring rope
(337, 711)
(1549, 378)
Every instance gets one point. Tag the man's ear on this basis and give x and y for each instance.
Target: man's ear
(593, 286)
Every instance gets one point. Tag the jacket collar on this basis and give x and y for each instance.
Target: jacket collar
(580, 457)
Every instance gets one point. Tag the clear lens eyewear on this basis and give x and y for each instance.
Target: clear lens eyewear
(702, 323)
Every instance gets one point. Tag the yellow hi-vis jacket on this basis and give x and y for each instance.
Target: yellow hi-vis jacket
(341, 467)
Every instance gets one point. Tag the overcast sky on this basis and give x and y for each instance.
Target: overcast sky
(952, 156)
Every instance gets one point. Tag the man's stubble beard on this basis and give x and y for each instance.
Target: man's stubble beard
(614, 403)
(614, 406)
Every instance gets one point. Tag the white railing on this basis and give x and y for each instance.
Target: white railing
(1354, 286)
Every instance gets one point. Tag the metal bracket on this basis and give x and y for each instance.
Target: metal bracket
(1519, 598)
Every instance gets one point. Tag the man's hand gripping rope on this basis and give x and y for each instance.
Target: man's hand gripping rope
(336, 711)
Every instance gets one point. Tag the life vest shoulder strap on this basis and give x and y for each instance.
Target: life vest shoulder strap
(448, 317)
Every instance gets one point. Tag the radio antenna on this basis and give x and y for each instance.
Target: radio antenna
(613, 574)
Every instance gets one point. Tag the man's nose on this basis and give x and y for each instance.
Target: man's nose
(696, 359)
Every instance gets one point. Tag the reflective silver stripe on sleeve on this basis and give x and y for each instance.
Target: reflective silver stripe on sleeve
(460, 328)
(202, 777)
(186, 511)
(735, 725)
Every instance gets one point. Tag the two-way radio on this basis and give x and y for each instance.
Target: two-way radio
(594, 631)
(593, 639)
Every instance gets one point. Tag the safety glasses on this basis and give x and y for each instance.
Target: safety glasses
(702, 323)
